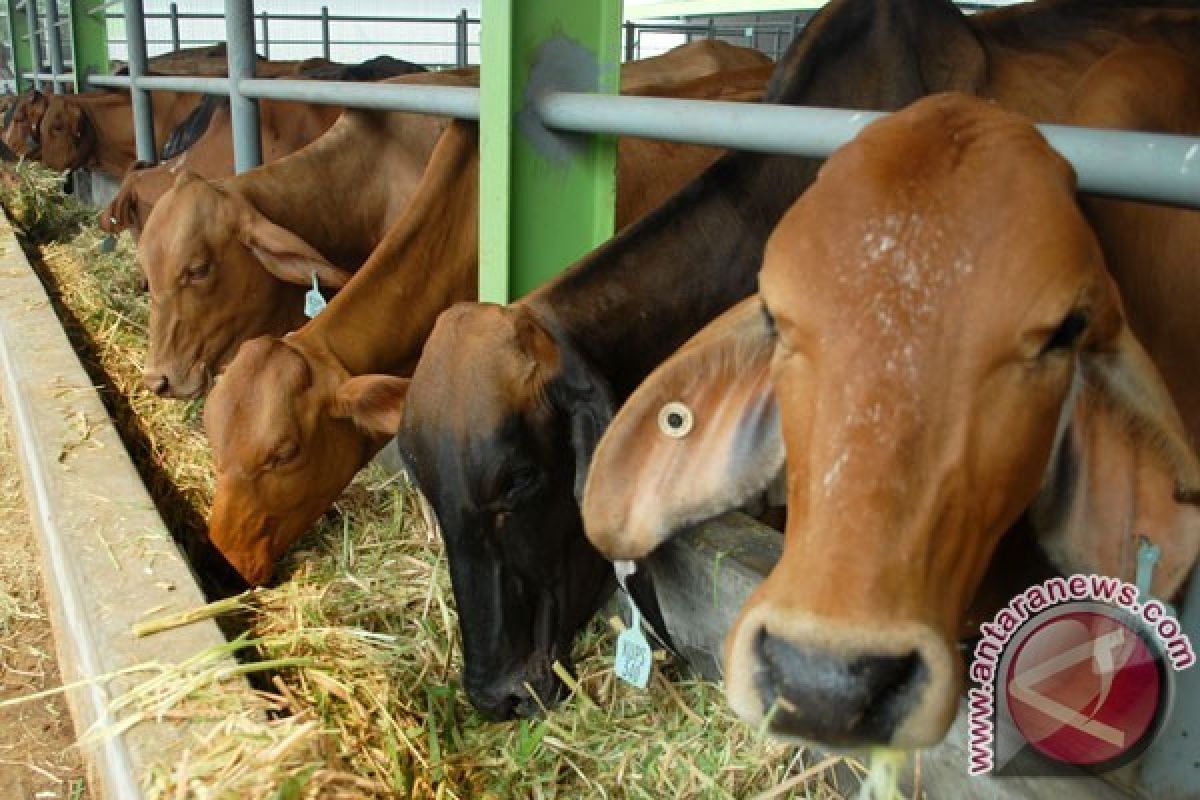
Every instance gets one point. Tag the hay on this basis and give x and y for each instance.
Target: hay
(359, 639)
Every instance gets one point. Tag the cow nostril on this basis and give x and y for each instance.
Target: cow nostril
(157, 383)
(841, 699)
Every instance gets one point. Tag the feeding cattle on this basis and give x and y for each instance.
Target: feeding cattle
(291, 420)
(506, 403)
(929, 373)
(22, 123)
(261, 236)
(286, 127)
(203, 143)
(96, 129)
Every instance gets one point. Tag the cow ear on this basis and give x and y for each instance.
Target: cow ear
(699, 437)
(286, 256)
(1124, 470)
(375, 403)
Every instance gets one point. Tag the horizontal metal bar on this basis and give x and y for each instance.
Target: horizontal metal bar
(454, 101)
(49, 76)
(1139, 166)
(309, 18)
(164, 83)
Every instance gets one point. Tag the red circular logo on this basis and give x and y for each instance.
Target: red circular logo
(1084, 688)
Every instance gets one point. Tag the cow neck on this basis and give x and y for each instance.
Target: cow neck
(114, 148)
(308, 192)
(635, 300)
(427, 261)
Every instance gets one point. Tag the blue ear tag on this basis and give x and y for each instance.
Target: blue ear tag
(313, 301)
(634, 655)
(1148, 556)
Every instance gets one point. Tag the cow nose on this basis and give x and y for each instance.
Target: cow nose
(842, 700)
(158, 383)
(496, 704)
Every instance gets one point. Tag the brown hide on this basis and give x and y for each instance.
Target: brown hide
(285, 128)
(377, 324)
(915, 441)
(23, 130)
(96, 129)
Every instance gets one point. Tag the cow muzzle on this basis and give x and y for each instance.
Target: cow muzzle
(522, 693)
(193, 382)
(843, 685)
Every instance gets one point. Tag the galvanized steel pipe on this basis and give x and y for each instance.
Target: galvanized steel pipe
(164, 83)
(239, 33)
(452, 101)
(54, 44)
(35, 42)
(143, 112)
(1139, 166)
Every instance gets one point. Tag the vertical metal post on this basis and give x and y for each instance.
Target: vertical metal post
(754, 32)
(54, 45)
(18, 30)
(174, 14)
(143, 112)
(538, 215)
(325, 48)
(266, 36)
(89, 41)
(712, 28)
(239, 33)
(462, 55)
(630, 42)
(35, 41)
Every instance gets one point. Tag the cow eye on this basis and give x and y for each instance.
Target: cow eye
(197, 272)
(1067, 333)
(516, 485)
(282, 455)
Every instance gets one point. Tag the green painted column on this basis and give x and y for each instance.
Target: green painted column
(18, 31)
(89, 41)
(539, 213)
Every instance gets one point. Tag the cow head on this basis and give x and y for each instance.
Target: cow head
(68, 137)
(288, 429)
(500, 460)
(219, 273)
(936, 336)
(130, 207)
(22, 128)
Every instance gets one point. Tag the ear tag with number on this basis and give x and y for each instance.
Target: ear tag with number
(313, 301)
(634, 656)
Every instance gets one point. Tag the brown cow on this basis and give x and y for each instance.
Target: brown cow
(285, 127)
(490, 454)
(239, 230)
(990, 367)
(196, 326)
(282, 455)
(21, 128)
(96, 129)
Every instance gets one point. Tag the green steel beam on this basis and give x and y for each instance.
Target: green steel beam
(18, 32)
(89, 41)
(538, 215)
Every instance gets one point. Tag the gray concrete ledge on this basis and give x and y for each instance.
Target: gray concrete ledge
(108, 561)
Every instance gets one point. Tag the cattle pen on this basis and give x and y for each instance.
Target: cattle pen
(549, 116)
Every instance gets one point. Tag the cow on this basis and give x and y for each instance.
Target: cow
(95, 129)
(506, 403)
(285, 128)
(23, 121)
(292, 419)
(195, 327)
(203, 143)
(243, 232)
(929, 374)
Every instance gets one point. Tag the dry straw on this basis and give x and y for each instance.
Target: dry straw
(355, 648)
